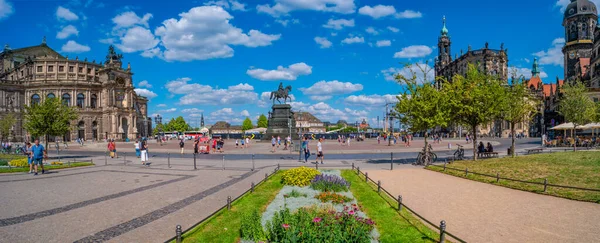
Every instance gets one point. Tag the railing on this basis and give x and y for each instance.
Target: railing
(179, 233)
(498, 178)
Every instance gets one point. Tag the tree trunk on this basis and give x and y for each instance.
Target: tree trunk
(474, 140)
(512, 134)
(426, 149)
(574, 135)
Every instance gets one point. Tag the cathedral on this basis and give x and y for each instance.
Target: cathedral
(102, 92)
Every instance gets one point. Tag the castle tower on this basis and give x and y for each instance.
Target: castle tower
(580, 20)
(444, 52)
(535, 70)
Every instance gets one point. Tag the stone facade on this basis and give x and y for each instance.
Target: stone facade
(308, 123)
(102, 92)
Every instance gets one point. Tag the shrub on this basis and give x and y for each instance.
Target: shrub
(19, 162)
(313, 225)
(251, 228)
(295, 193)
(332, 197)
(329, 183)
(300, 176)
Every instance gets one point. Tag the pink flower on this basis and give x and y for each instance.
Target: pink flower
(316, 220)
(285, 226)
(351, 212)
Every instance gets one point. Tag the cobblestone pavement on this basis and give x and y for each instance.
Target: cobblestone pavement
(479, 212)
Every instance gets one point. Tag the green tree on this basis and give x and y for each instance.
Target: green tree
(519, 105)
(247, 124)
(474, 100)
(421, 106)
(6, 123)
(576, 106)
(178, 124)
(158, 128)
(50, 118)
(262, 121)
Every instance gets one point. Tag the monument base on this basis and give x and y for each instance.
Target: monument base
(281, 123)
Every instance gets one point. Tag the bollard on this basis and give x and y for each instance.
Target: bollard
(358, 170)
(399, 202)
(92, 160)
(442, 231)
(252, 162)
(195, 162)
(466, 172)
(352, 165)
(444, 166)
(252, 187)
(223, 162)
(317, 166)
(228, 202)
(266, 176)
(378, 186)
(545, 184)
(391, 160)
(497, 177)
(169, 160)
(105, 160)
(277, 167)
(366, 176)
(178, 234)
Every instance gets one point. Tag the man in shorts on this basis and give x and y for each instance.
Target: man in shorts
(38, 153)
(273, 142)
(319, 151)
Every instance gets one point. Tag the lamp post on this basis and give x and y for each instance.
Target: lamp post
(389, 119)
(158, 121)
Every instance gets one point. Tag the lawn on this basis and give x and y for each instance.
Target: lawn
(393, 226)
(577, 169)
(46, 167)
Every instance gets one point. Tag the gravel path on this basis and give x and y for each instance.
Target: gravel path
(479, 212)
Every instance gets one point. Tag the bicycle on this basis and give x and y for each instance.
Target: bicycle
(426, 158)
(459, 154)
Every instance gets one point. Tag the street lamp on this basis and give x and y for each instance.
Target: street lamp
(158, 120)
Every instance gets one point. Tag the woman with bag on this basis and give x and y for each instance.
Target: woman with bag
(144, 153)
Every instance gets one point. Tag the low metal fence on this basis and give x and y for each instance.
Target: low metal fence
(545, 184)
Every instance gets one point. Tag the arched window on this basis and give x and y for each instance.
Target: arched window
(80, 100)
(93, 100)
(50, 96)
(35, 99)
(66, 99)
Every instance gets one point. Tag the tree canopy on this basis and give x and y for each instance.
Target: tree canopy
(262, 121)
(576, 106)
(50, 118)
(247, 124)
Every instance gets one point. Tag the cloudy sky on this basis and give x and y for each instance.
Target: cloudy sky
(222, 57)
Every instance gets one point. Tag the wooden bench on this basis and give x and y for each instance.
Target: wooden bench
(534, 150)
(487, 154)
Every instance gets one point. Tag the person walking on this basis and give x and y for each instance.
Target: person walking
(243, 143)
(137, 148)
(181, 144)
(319, 151)
(144, 153)
(29, 156)
(237, 143)
(196, 144)
(39, 153)
(278, 141)
(110, 147)
(115, 148)
(273, 142)
(247, 142)
(306, 150)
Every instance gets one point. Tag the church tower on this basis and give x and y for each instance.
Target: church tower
(580, 20)
(535, 71)
(444, 53)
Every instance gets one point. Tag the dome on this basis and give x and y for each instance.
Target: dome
(444, 31)
(580, 7)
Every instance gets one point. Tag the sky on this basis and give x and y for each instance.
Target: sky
(222, 58)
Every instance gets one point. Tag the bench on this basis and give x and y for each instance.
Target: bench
(534, 150)
(487, 154)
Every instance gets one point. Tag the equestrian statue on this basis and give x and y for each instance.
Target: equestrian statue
(281, 93)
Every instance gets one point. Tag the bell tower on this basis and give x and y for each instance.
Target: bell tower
(580, 20)
(444, 52)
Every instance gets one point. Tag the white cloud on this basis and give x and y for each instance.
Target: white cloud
(194, 93)
(67, 31)
(382, 43)
(205, 33)
(245, 113)
(409, 14)
(413, 51)
(65, 14)
(145, 92)
(283, 7)
(323, 42)
(129, 19)
(6, 9)
(353, 40)
(144, 84)
(222, 112)
(554, 55)
(325, 112)
(393, 29)
(370, 100)
(338, 24)
(525, 72)
(372, 31)
(192, 110)
(281, 73)
(137, 39)
(74, 47)
(377, 11)
(230, 4)
(161, 105)
(329, 88)
(168, 110)
(320, 97)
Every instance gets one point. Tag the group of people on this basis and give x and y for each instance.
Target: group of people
(344, 140)
(306, 150)
(483, 149)
(406, 139)
(245, 143)
(36, 154)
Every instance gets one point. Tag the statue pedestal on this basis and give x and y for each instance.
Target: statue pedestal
(281, 123)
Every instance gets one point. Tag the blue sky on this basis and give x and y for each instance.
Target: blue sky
(220, 57)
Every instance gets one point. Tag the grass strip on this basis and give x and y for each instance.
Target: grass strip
(392, 226)
(224, 226)
(46, 167)
(577, 169)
